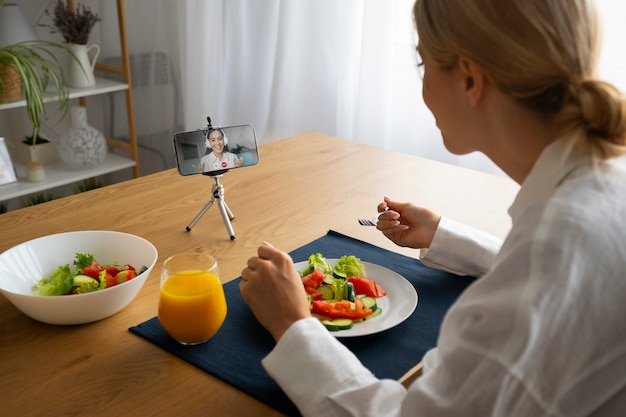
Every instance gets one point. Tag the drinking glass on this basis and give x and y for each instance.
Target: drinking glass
(192, 305)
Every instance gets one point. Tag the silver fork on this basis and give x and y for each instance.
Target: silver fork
(366, 222)
(372, 222)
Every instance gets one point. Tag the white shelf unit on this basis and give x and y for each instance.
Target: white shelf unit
(103, 86)
(57, 174)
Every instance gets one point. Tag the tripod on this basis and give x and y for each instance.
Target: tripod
(217, 195)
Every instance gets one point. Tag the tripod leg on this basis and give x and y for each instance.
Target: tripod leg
(230, 213)
(227, 215)
(195, 219)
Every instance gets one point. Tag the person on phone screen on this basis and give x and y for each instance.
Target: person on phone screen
(218, 158)
(541, 332)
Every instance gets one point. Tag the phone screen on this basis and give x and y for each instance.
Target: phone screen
(216, 149)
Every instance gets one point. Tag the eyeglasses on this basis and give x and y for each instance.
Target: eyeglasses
(420, 64)
(420, 69)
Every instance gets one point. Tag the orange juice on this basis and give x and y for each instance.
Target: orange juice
(192, 306)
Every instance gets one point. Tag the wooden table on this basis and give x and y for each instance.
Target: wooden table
(302, 187)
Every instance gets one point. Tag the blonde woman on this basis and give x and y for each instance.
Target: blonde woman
(542, 332)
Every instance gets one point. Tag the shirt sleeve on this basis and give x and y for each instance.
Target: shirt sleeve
(296, 360)
(461, 249)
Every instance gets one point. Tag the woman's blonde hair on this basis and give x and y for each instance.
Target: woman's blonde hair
(543, 53)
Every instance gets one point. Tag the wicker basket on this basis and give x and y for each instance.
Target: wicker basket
(12, 84)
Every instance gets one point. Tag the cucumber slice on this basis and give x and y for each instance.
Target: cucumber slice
(369, 302)
(339, 275)
(83, 284)
(82, 279)
(337, 324)
(329, 279)
(326, 291)
(378, 312)
(351, 293)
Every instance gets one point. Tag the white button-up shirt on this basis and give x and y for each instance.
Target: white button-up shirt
(541, 333)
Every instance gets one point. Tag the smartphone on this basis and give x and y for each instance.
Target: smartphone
(215, 150)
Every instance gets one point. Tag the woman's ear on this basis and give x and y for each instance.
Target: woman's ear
(474, 80)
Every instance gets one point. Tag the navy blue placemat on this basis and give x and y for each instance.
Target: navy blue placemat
(234, 354)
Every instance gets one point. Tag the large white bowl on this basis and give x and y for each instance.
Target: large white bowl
(25, 264)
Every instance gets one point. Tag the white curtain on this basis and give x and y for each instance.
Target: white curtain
(344, 68)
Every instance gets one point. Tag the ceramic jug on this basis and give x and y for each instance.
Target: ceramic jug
(81, 68)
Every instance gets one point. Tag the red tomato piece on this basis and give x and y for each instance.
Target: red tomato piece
(315, 294)
(92, 270)
(111, 269)
(367, 286)
(329, 307)
(314, 279)
(109, 279)
(340, 309)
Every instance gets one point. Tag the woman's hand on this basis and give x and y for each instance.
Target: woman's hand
(406, 224)
(199, 167)
(273, 289)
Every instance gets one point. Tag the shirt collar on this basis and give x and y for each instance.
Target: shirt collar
(548, 172)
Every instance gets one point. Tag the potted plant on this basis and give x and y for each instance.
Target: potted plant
(37, 68)
(75, 26)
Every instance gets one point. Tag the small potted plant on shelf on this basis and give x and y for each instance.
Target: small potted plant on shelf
(34, 68)
(75, 26)
(37, 68)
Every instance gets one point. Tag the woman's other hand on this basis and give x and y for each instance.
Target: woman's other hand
(406, 224)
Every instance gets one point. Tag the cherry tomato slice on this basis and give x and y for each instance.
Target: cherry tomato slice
(367, 286)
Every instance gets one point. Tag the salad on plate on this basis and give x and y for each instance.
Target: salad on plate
(341, 295)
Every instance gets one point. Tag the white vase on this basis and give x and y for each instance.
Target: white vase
(81, 68)
(83, 146)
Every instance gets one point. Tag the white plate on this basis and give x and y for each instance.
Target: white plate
(397, 305)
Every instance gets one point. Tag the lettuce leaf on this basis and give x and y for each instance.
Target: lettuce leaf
(317, 261)
(349, 266)
(58, 283)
